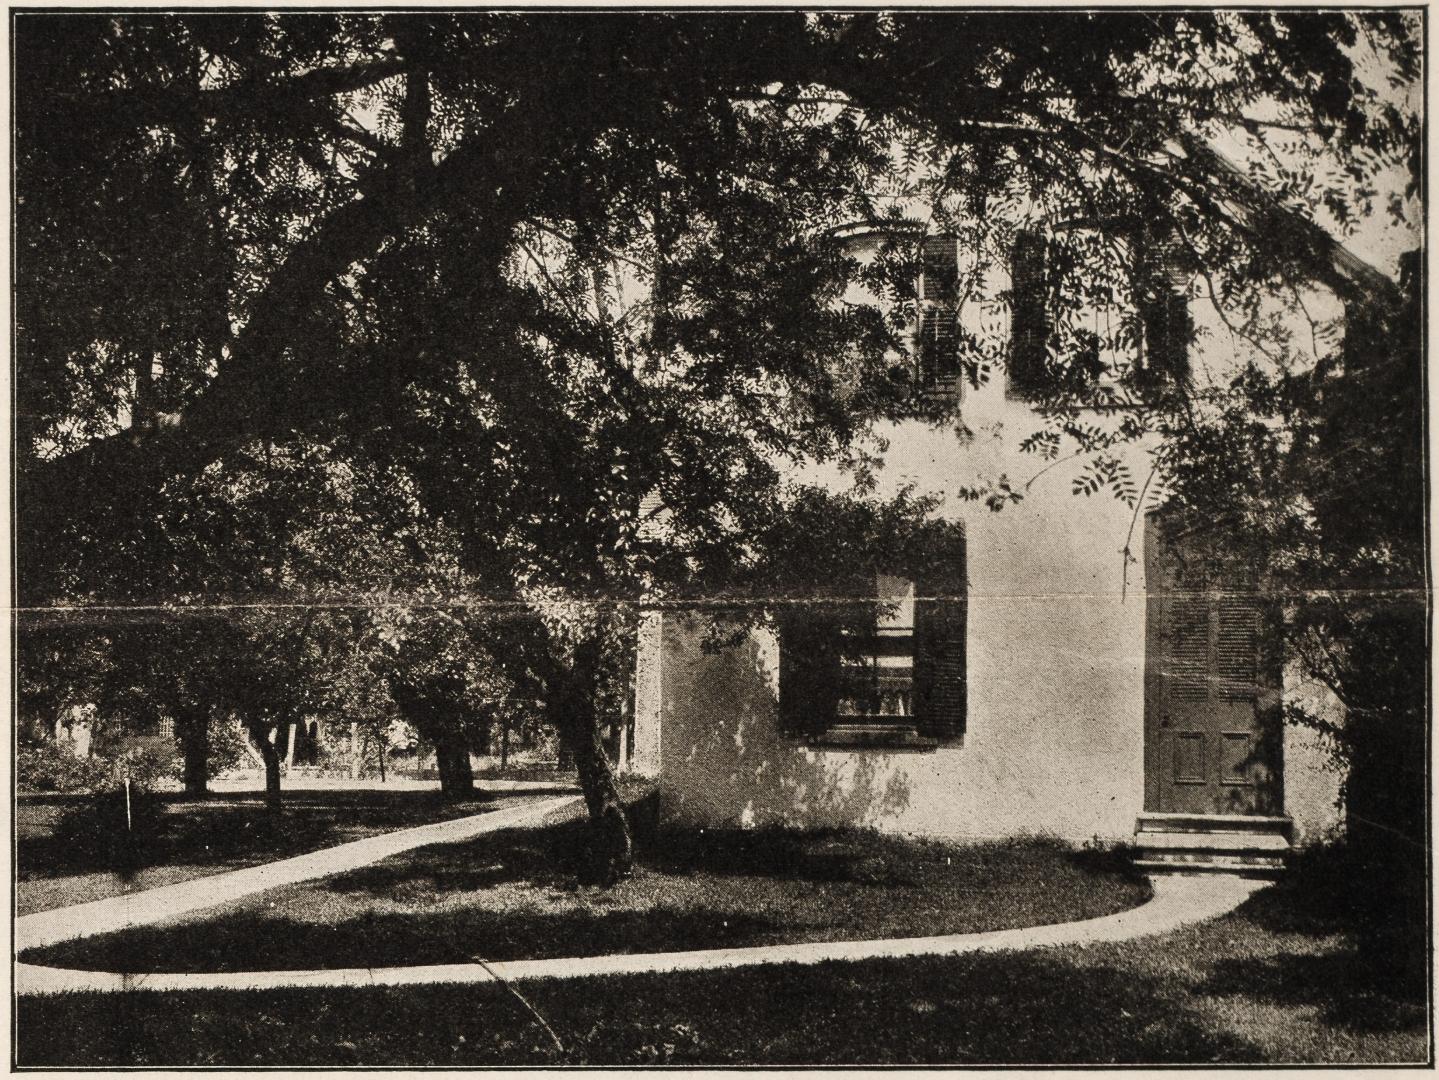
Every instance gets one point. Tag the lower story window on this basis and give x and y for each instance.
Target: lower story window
(876, 663)
(883, 664)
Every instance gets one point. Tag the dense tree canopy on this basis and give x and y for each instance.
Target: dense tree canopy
(536, 275)
(411, 230)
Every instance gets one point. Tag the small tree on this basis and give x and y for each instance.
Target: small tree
(439, 684)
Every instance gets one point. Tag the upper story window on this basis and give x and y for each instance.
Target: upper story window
(1044, 358)
(932, 364)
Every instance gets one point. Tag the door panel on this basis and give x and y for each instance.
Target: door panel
(1211, 726)
(1188, 757)
(1236, 752)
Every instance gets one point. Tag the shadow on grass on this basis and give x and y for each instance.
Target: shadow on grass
(543, 857)
(1109, 860)
(862, 856)
(990, 1010)
(1341, 985)
(1366, 971)
(1234, 990)
(65, 835)
(829, 855)
(1371, 903)
(258, 940)
(550, 857)
(1009, 1009)
(1083, 884)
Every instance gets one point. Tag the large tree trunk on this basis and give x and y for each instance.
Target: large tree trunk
(195, 748)
(433, 707)
(572, 709)
(452, 758)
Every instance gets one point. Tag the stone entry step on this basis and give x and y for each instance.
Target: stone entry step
(1225, 843)
(1212, 823)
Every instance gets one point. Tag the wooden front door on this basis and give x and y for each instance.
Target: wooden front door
(1212, 734)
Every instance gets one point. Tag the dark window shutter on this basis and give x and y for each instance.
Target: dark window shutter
(1187, 663)
(939, 650)
(941, 268)
(1236, 646)
(1167, 330)
(1030, 327)
(938, 345)
(1168, 325)
(809, 640)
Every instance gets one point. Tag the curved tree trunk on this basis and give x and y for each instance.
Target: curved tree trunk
(612, 848)
(571, 707)
(435, 710)
(270, 755)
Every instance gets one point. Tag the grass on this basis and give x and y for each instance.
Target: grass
(1276, 981)
(73, 848)
(510, 895)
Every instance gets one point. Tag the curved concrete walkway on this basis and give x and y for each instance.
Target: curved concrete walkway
(1177, 901)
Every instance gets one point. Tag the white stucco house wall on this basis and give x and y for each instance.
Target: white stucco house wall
(1086, 712)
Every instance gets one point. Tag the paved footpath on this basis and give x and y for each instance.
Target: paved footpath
(250, 784)
(156, 905)
(1178, 900)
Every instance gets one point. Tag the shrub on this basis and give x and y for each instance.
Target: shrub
(50, 768)
(151, 765)
(226, 746)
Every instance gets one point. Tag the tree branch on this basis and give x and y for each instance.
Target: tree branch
(256, 98)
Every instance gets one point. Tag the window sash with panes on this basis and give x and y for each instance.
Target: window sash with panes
(879, 661)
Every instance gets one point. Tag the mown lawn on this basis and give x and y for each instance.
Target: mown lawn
(512, 895)
(74, 848)
(1275, 981)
